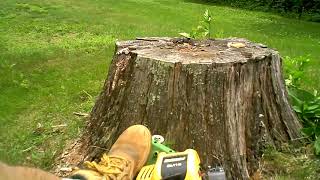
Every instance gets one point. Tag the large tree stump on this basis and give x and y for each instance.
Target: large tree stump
(225, 102)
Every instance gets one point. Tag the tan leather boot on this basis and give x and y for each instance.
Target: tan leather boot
(125, 158)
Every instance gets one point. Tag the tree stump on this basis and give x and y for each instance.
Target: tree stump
(224, 100)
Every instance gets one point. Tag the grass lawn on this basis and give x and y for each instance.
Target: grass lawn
(54, 57)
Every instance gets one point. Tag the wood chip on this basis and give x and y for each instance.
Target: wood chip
(123, 51)
(236, 44)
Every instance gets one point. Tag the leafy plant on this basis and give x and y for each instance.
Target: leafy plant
(307, 106)
(203, 30)
(295, 69)
(304, 103)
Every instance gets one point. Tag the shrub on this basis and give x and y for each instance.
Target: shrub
(304, 103)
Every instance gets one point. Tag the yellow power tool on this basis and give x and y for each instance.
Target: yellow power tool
(165, 163)
(176, 166)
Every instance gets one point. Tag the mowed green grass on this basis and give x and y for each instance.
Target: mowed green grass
(54, 57)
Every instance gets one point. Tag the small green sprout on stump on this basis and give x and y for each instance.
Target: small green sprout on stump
(203, 30)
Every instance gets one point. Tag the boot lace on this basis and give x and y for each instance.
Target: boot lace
(111, 167)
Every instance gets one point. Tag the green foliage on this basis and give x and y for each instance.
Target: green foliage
(203, 30)
(304, 103)
(307, 106)
(296, 69)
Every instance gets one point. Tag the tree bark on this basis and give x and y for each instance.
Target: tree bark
(227, 103)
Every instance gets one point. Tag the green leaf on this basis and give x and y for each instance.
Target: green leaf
(317, 146)
(297, 109)
(309, 131)
(301, 94)
(313, 107)
(206, 33)
(309, 115)
(315, 92)
(207, 16)
(295, 100)
(186, 35)
(200, 29)
(317, 131)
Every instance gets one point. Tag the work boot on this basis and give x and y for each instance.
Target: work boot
(125, 158)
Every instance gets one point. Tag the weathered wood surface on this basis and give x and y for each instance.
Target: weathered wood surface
(227, 103)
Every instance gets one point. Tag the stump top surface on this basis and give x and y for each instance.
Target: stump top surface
(189, 51)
